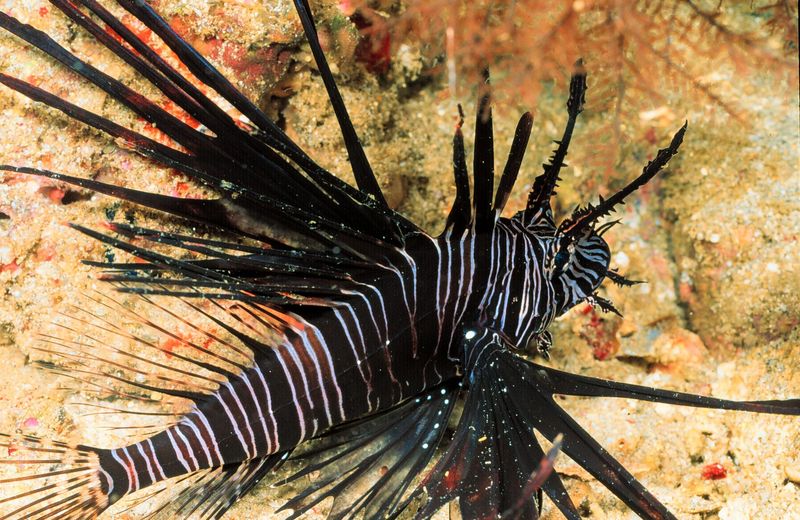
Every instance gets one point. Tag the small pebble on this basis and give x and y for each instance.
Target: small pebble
(793, 472)
(714, 471)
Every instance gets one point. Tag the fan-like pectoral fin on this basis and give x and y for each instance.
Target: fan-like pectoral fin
(488, 465)
(491, 467)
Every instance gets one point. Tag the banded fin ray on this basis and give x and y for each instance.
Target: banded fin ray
(368, 465)
(323, 194)
(66, 481)
(162, 497)
(205, 495)
(185, 356)
(362, 170)
(538, 214)
(211, 497)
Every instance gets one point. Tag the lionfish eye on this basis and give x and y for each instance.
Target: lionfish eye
(562, 256)
(559, 255)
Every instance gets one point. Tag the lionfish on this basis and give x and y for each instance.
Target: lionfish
(363, 334)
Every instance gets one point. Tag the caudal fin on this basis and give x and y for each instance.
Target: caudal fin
(42, 479)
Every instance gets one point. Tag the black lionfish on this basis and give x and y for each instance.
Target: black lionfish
(362, 332)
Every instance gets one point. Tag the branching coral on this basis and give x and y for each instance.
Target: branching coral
(636, 52)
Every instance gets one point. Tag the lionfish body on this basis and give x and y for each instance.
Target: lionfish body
(329, 365)
(362, 337)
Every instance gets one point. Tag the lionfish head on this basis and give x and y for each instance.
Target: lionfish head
(573, 256)
(576, 264)
(578, 257)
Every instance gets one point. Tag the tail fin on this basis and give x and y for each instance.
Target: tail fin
(41, 479)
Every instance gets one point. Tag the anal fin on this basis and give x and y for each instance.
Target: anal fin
(203, 495)
(368, 465)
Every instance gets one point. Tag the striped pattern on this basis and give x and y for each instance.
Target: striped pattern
(583, 271)
(363, 354)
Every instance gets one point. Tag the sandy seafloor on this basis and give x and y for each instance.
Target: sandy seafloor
(716, 237)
